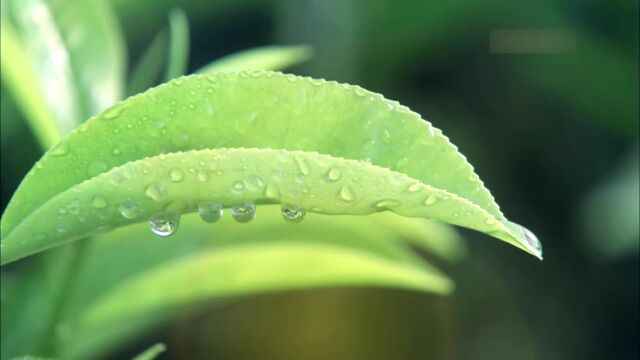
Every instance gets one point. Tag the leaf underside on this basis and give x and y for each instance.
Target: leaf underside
(232, 123)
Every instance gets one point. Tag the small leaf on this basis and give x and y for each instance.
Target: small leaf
(261, 58)
(147, 71)
(152, 352)
(178, 44)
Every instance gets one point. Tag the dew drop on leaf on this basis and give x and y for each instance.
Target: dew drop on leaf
(346, 193)
(387, 203)
(244, 213)
(60, 149)
(210, 212)
(202, 176)
(129, 210)
(431, 199)
(334, 174)
(415, 187)
(292, 213)
(155, 191)
(271, 192)
(164, 224)
(176, 175)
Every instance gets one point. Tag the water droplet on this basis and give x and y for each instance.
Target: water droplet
(202, 176)
(60, 149)
(210, 212)
(387, 203)
(176, 175)
(112, 113)
(431, 199)
(490, 221)
(292, 213)
(415, 187)
(61, 228)
(334, 174)
(302, 165)
(244, 213)
(129, 210)
(155, 191)
(271, 191)
(116, 150)
(165, 224)
(254, 182)
(346, 193)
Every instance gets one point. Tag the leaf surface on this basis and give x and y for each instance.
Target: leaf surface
(260, 110)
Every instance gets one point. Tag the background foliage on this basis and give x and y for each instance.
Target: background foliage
(554, 136)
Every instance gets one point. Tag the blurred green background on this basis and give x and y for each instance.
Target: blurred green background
(553, 135)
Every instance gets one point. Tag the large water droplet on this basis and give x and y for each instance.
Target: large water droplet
(334, 174)
(210, 212)
(346, 193)
(129, 210)
(292, 213)
(431, 199)
(164, 224)
(155, 191)
(529, 240)
(176, 175)
(244, 213)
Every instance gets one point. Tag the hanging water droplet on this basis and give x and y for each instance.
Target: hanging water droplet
(387, 203)
(129, 210)
(164, 224)
(302, 165)
(415, 187)
(244, 213)
(334, 174)
(431, 199)
(155, 191)
(346, 193)
(60, 149)
(292, 213)
(176, 175)
(529, 240)
(210, 212)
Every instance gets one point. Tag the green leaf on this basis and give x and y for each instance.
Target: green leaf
(152, 352)
(18, 77)
(72, 61)
(261, 58)
(261, 110)
(147, 70)
(133, 251)
(178, 44)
